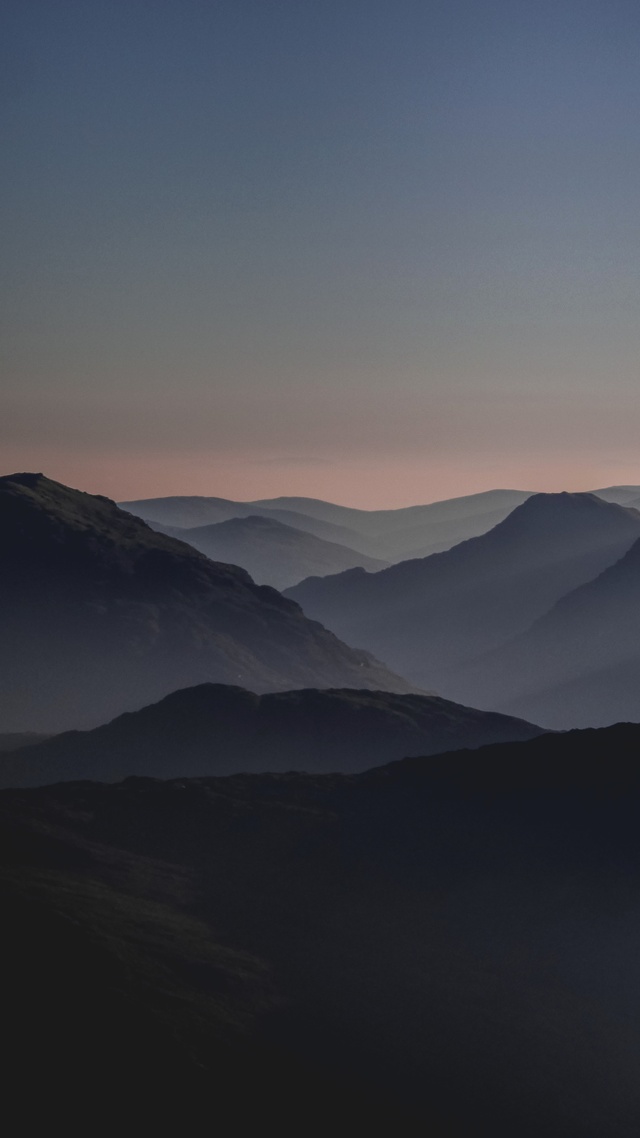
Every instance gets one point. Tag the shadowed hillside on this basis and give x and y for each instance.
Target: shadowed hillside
(214, 730)
(272, 553)
(452, 939)
(428, 617)
(101, 614)
(579, 665)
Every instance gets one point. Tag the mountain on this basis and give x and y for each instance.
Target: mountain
(186, 513)
(183, 511)
(392, 535)
(406, 518)
(579, 664)
(445, 943)
(272, 553)
(435, 535)
(427, 617)
(214, 729)
(623, 495)
(101, 614)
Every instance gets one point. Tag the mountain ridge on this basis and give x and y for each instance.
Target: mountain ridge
(215, 729)
(579, 663)
(388, 534)
(428, 616)
(272, 552)
(101, 614)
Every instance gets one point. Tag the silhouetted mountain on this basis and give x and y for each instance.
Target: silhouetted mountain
(181, 513)
(214, 729)
(408, 518)
(392, 535)
(327, 531)
(453, 938)
(579, 665)
(438, 535)
(99, 614)
(272, 553)
(426, 617)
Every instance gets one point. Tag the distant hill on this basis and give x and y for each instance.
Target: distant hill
(101, 614)
(194, 512)
(443, 946)
(392, 535)
(428, 617)
(214, 729)
(272, 553)
(623, 495)
(579, 664)
(406, 517)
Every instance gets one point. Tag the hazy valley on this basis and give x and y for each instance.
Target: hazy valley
(320, 569)
(324, 844)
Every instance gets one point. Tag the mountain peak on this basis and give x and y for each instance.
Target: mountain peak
(565, 509)
(25, 478)
(563, 500)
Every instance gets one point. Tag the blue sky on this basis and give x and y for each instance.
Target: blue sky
(378, 252)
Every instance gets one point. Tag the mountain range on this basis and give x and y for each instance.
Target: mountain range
(623, 495)
(272, 553)
(214, 729)
(445, 943)
(429, 617)
(390, 535)
(101, 614)
(579, 664)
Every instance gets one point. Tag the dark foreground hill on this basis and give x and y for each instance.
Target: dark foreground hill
(272, 553)
(451, 940)
(216, 730)
(17, 740)
(100, 614)
(428, 617)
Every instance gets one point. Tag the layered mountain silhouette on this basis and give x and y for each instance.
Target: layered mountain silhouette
(429, 617)
(413, 531)
(101, 614)
(184, 512)
(390, 535)
(448, 941)
(579, 664)
(623, 495)
(214, 729)
(272, 553)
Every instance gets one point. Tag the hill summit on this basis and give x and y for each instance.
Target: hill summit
(429, 616)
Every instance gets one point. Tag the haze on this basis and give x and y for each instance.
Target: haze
(379, 253)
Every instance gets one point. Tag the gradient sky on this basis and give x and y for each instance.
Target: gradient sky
(377, 252)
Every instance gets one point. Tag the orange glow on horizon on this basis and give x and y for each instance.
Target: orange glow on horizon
(386, 483)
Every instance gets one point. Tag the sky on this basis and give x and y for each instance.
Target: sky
(376, 251)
